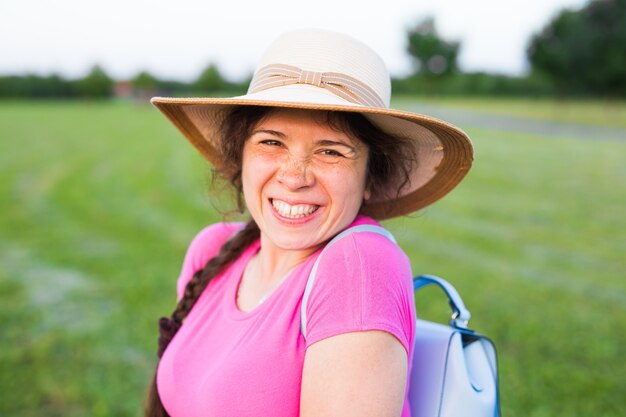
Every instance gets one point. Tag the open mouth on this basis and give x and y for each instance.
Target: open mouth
(295, 211)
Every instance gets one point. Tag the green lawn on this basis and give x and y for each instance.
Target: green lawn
(608, 113)
(99, 201)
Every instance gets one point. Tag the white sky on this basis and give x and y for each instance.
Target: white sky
(176, 39)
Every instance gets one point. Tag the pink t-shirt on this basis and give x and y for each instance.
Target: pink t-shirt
(226, 362)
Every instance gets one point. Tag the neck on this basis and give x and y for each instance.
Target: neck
(274, 262)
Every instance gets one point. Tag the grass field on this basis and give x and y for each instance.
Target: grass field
(587, 112)
(99, 201)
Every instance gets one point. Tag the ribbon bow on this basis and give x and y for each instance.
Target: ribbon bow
(342, 85)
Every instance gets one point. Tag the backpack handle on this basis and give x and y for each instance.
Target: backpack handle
(460, 314)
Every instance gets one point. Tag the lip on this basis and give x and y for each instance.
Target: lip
(289, 220)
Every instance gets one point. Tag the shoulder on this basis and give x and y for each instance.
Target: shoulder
(366, 251)
(362, 282)
(212, 237)
(204, 246)
(365, 265)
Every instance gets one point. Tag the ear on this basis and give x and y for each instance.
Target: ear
(367, 193)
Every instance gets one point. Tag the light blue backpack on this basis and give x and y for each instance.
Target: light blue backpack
(455, 372)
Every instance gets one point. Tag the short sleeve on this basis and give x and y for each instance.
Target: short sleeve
(363, 282)
(203, 247)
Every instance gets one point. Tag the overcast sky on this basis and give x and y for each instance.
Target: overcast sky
(176, 39)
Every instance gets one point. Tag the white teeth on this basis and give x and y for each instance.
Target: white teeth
(296, 211)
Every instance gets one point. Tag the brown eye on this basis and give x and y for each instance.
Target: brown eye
(331, 152)
(271, 142)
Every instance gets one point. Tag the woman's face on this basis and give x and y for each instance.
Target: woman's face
(303, 181)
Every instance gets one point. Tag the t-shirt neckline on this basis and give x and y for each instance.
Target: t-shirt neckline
(246, 256)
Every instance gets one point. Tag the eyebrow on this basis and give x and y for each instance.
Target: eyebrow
(323, 142)
(271, 132)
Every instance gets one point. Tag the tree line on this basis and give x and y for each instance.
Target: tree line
(580, 52)
(98, 84)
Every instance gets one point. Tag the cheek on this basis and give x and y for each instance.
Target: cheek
(346, 184)
(247, 179)
(256, 170)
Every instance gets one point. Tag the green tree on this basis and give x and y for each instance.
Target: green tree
(34, 86)
(97, 84)
(144, 81)
(433, 56)
(210, 80)
(584, 51)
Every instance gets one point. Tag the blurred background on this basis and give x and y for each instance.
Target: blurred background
(100, 195)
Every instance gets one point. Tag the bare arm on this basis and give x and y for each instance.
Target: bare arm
(354, 374)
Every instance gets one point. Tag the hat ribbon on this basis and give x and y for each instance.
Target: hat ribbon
(344, 86)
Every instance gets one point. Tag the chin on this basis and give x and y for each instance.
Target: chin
(294, 243)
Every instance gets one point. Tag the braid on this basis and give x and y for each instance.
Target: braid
(168, 326)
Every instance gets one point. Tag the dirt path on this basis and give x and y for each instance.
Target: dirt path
(468, 119)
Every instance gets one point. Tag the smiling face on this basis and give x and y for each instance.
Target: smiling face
(303, 181)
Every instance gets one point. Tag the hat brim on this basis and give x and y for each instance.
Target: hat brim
(444, 152)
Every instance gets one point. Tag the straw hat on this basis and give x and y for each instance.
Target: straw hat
(322, 70)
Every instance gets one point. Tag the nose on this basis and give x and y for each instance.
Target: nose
(295, 173)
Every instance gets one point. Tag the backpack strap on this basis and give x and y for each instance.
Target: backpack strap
(309, 285)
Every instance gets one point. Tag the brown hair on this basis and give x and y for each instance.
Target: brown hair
(390, 158)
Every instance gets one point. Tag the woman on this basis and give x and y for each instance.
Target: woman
(315, 150)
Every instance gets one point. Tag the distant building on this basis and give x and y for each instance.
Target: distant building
(123, 90)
